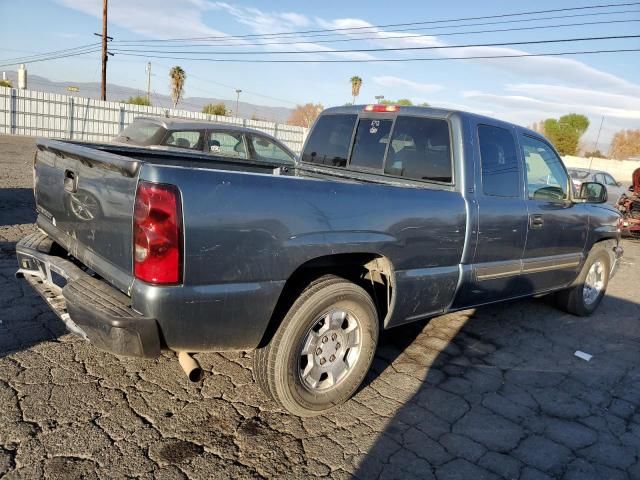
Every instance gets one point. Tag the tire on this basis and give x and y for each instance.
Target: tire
(576, 300)
(322, 350)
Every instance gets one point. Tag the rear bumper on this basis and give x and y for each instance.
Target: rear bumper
(88, 306)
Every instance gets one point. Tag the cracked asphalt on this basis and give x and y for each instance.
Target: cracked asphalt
(491, 393)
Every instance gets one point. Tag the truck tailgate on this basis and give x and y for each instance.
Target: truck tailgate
(85, 198)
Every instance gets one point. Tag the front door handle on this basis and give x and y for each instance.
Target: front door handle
(536, 221)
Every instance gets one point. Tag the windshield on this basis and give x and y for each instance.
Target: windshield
(141, 133)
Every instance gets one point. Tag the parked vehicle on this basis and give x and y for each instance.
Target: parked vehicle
(220, 139)
(614, 189)
(629, 206)
(392, 215)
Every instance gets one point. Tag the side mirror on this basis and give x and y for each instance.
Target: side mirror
(593, 192)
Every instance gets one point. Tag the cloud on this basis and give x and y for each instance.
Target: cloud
(560, 70)
(524, 109)
(391, 81)
(537, 105)
(152, 18)
(295, 19)
(269, 23)
(577, 96)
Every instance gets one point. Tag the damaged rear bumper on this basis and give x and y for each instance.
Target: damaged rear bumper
(89, 307)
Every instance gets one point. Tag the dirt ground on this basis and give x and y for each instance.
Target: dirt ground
(490, 393)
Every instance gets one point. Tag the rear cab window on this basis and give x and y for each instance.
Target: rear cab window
(411, 147)
(330, 140)
(370, 144)
(420, 149)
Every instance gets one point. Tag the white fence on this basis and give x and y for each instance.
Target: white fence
(620, 169)
(42, 114)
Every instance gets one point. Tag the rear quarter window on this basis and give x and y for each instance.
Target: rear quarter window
(499, 159)
(329, 140)
(420, 149)
(141, 133)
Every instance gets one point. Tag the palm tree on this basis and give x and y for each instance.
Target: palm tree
(356, 83)
(177, 78)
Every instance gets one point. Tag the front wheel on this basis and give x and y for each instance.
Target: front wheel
(584, 297)
(323, 349)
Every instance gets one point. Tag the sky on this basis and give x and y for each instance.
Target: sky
(521, 90)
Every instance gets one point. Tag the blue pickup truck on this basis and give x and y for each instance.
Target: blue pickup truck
(391, 215)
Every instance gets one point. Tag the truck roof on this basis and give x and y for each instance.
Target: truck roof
(430, 112)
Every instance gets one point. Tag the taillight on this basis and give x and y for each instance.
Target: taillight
(157, 234)
(381, 108)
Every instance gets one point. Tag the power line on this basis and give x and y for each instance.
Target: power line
(29, 58)
(56, 57)
(413, 36)
(383, 60)
(394, 49)
(430, 22)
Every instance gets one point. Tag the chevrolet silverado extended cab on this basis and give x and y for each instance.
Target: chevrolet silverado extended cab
(391, 215)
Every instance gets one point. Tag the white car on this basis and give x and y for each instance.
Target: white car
(614, 189)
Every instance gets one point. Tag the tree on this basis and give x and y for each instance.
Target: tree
(215, 109)
(578, 122)
(594, 154)
(565, 132)
(177, 77)
(137, 100)
(403, 102)
(305, 115)
(6, 83)
(625, 144)
(356, 83)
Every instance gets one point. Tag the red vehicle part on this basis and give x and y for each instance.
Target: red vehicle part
(629, 206)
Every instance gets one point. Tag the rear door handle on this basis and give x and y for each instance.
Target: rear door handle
(70, 181)
(536, 221)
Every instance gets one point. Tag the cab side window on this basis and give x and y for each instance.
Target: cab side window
(187, 139)
(227, 144)
(498, 155)
(546, 176)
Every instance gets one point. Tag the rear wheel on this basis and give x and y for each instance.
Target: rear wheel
(584, 297)
(323, 349)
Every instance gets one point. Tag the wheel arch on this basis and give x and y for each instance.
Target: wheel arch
(372, 271)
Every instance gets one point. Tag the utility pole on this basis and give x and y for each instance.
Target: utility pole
(103, 89)
(238, 91)
(597, 140)
(148, 69)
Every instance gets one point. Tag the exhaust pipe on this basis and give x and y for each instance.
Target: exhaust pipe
(190, 366)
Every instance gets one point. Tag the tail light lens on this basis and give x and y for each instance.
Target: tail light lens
(157, 234)
(381, 108)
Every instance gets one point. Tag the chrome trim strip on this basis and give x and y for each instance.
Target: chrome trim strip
(493, 270)
(504, 269)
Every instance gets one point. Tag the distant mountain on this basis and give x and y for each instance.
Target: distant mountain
(118, 92)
